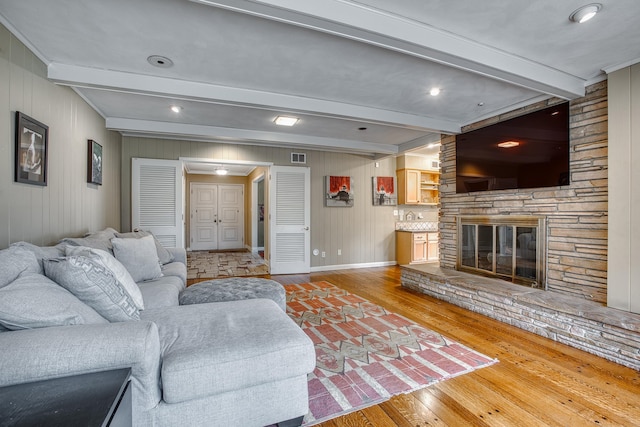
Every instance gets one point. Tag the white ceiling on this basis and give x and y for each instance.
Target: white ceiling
(338, 65)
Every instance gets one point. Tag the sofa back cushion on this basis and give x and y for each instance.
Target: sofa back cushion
(88, 279)
(139, 256)
(163, 254)
(34, 301)
(14, 261)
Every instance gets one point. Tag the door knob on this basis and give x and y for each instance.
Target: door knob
(306, 228)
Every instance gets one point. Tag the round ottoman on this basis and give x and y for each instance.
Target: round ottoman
(233, 289)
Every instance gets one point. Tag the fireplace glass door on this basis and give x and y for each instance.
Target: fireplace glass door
(507, 250)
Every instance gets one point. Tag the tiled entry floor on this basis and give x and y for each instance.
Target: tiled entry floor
(212, 264)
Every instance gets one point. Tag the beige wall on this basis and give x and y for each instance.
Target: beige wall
(363, 233)
(624, 189)
(67, 206)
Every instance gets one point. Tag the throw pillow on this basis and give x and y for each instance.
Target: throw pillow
(115, 267)
(41, 252)
(34, 301)
(163, 254)
(139, 256)
(98, 240)
(15, 260)
(88, 279)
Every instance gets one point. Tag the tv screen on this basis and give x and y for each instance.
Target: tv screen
(528, 151)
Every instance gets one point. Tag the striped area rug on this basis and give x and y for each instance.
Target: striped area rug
(366, 354)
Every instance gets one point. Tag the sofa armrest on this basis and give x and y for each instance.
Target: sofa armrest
(44, 353)
(179, 255)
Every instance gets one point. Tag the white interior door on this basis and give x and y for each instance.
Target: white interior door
(230, 216)
(290, 202)
(203, 217)
(156, 199)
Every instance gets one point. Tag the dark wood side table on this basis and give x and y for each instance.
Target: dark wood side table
(96, 399)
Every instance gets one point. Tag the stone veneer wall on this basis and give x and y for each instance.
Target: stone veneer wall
(576, 214)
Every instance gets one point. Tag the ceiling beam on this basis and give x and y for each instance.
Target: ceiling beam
(95, 78)
(211, 133)
(366, 24)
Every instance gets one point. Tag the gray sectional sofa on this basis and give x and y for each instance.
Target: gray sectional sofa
(70, 309)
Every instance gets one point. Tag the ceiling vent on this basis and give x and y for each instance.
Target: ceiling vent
(299, 158)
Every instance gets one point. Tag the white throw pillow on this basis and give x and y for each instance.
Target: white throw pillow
(139, 256)
(117, 269)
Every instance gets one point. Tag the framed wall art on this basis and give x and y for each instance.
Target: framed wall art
(384, 191)
(32, 141)
(94, 163)
(338, 191)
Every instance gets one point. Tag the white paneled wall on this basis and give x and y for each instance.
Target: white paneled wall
(67, 206)
(363, 233)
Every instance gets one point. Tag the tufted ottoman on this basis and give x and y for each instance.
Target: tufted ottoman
(233, 289)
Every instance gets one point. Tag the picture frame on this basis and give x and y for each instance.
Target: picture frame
(31, 150)
(384, 191)
(94, 163)
(338, 191)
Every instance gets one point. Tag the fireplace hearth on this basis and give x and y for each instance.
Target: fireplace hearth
(509, 247)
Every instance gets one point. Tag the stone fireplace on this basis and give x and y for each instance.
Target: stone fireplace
(505, 246)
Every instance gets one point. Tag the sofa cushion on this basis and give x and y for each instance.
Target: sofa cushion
(87, 278)
(139, 256)
(163, 254)
(41, 252)
(220, 347)
(34, 301)
(175, 269)
(14, 261)
(98, 240)
(161, 292)
(115, 267)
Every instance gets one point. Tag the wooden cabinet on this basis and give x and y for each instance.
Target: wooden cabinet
(416, 247)
(418, 187)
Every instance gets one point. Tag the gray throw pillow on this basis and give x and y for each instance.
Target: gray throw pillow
(163, 254)
(88, 279)
(14, 261)
(139, 256)
(98, 240)
(41, 252)
(34, 301)
(115, 267)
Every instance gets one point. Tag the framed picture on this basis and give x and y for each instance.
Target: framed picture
(384, 191)
(32, 141)
(94, 163)
(338, 191)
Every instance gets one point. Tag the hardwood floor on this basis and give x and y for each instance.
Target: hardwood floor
(537, 382)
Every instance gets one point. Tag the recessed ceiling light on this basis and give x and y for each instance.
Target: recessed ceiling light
(176, 109)
(585, 13)
(435, 91)
(508, 144)
(286, 120)
(160, 61)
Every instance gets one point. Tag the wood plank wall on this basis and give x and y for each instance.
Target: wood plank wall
(68, 205)
(576, 214)
(364, 233)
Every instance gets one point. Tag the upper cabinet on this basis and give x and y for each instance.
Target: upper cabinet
(418, 187)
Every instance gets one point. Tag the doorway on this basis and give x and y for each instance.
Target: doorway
(216, 216)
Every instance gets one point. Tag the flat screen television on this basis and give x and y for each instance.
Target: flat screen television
(528, 151)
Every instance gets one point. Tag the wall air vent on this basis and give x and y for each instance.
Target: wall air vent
(299, 158)
(435, 164)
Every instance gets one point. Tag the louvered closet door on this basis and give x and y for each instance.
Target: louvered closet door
(290, 220)
(156, 199)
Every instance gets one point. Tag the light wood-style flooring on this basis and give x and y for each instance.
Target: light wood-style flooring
(537, 382)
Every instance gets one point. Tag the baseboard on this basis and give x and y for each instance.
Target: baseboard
(349, 266)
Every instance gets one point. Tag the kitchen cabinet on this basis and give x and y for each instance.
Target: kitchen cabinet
(416, 247)
(418, 187)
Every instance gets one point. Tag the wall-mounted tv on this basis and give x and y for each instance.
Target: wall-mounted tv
(528, 151)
